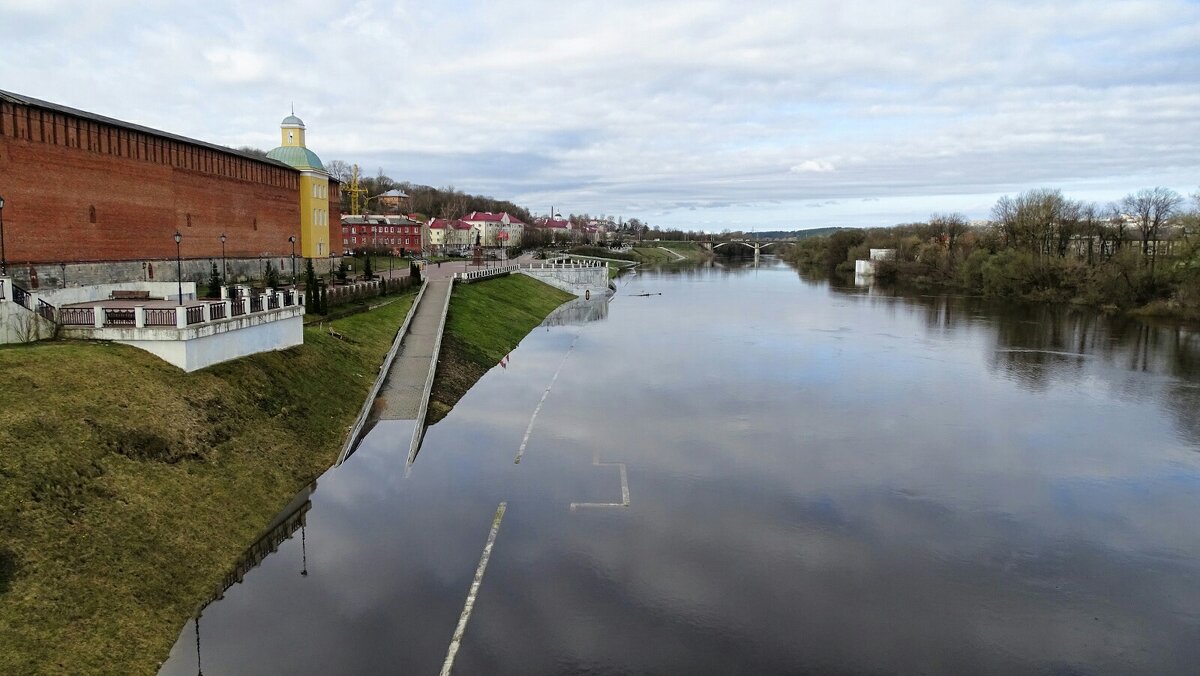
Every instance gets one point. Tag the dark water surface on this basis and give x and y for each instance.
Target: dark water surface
(820, 480)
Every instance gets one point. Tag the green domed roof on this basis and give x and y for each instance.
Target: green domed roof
(298, 157)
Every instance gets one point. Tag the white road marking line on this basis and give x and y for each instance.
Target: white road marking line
(624, 487)
(532, 418)
(456, 640)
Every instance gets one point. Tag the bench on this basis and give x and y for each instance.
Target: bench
(130, 295)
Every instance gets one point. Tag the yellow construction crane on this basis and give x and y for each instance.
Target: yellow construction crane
(356, 193)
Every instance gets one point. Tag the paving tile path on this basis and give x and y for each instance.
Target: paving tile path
(405, 390)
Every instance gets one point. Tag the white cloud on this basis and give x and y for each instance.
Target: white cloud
(645, 108)
(812, 166)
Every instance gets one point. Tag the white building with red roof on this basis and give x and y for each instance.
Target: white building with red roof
(495, 229)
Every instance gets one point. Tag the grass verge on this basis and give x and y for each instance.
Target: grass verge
(486, 321)
(128, 488)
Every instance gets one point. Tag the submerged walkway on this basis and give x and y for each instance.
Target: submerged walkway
(405, 392)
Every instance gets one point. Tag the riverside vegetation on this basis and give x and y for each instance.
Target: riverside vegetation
(129, 488)
(486, 320)
(1141, 254)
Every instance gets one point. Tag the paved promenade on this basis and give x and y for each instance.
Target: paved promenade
(404, 391)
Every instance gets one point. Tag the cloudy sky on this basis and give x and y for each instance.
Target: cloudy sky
(696, 114)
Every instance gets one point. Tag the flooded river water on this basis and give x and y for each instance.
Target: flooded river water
(754, 473)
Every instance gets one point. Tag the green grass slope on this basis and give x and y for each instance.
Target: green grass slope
(128, 488)
(485, 322)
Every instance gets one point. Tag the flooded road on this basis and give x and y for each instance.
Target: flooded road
(754, 473)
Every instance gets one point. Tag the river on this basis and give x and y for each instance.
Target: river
(819, 479)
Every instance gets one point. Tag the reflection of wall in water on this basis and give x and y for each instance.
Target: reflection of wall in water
(282, 528)
(579, 311)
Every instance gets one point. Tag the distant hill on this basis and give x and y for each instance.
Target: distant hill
(796, 234)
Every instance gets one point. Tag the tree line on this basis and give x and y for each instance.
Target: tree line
(1142, 251)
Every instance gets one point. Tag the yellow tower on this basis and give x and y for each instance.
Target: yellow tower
(314, 187)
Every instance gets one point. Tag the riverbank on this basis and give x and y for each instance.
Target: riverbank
(977, 263)
(129, 488)
(485, 322)
(651, 253)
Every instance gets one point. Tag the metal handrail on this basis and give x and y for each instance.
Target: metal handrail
(20, 296)
(195, 314)
(46, 310)
(216, 311)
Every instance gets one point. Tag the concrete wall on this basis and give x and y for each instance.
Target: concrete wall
(203, 345)
(57, 276)
(580, 281)
(192, 355)
(18, 325)
(87, 294)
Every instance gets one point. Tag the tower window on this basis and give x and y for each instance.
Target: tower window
(92, 214)
(189, 220)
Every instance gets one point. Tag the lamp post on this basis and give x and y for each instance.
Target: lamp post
(179, 265)
(224, 267)
(292, 239)
(3, 258)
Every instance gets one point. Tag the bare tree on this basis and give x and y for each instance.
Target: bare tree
(1034, 220)
(951, 227)
(339, 170)
(1150, 209)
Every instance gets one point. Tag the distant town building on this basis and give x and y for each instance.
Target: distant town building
(392, 199)
(495, 229)
(377, 233)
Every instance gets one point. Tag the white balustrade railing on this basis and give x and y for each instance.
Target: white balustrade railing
(182, 316)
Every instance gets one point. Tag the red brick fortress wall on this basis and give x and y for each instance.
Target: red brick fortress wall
(77, 190)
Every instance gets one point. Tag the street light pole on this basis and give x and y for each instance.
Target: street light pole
(292, 239)
(179, 265)
(3, 257)
(224, 267)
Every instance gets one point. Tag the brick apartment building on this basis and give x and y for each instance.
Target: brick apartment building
(378, 233)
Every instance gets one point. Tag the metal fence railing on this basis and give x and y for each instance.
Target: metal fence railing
(77, 316)
(119, 316)
(195, 314)
(160, 317)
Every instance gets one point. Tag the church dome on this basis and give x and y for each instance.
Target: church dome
(298, 157)
(292, 121)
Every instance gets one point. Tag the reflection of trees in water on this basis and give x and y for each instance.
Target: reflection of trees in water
(1038, 345)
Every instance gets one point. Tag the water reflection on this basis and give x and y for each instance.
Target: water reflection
(579, 311)
(821, 480)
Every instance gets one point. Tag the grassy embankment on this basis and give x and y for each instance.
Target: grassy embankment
(650, 253)
(128, 488)
(485, 322)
